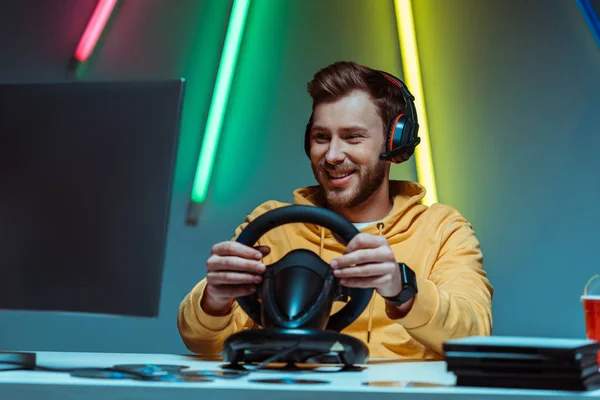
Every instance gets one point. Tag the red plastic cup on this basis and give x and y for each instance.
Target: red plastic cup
(591, 309)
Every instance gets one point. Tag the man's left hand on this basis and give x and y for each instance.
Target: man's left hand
(369, 262)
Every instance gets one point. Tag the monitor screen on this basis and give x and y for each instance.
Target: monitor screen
(86, 174)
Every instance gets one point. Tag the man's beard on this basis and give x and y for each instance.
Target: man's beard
(369, 179)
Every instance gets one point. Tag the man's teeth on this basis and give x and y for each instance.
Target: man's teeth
(338, 175)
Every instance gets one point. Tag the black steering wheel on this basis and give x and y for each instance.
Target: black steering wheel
(359, 298)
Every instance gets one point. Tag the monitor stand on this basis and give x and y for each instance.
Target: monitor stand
(293, 346)
(10, 361)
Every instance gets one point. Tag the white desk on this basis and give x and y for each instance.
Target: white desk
(20, 385)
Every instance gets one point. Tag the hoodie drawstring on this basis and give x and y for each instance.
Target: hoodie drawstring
(322, 242)
(380, 227)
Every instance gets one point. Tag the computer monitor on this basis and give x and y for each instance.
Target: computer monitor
(86, 175)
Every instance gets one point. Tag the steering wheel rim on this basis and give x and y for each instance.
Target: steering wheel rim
(359, 297)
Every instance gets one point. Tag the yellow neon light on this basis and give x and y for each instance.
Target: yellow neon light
(412, 77)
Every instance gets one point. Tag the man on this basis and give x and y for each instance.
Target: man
(353, 108)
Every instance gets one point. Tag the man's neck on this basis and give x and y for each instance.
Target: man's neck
(375, 208)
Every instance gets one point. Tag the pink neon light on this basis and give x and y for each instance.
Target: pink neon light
(94, 29)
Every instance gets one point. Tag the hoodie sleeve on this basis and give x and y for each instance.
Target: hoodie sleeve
(203, 333)
(455, 300)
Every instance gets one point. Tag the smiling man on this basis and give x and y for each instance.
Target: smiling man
(424, 263)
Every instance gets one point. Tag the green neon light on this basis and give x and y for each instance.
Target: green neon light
(216, 113)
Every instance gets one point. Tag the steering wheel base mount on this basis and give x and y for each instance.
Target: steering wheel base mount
(308, 347)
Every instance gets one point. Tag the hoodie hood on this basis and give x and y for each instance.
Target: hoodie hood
(406, 197)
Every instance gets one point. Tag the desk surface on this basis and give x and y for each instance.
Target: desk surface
(18, 385)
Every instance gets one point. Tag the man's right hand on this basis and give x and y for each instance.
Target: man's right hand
(232, 270)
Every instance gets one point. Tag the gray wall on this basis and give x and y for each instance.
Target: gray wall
(510, 89)
(513, 90)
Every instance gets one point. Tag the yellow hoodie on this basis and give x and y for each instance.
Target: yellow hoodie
(454, 298)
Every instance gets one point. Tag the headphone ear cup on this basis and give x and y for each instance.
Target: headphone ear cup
(400, 135)
(389, 138)
(307, 140)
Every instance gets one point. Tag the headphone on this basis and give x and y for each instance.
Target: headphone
(402, 133)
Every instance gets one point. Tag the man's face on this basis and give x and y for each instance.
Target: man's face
(347, 138)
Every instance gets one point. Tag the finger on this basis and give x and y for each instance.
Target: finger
(237, 249)
(363, 271)
(363, 256)
(232, 291)
(365, 283)
(232, 278)
(365, 241)
(236, 264)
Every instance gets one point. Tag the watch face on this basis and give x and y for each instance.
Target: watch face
(409, 286)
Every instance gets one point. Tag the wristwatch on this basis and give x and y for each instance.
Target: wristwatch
(409, 286)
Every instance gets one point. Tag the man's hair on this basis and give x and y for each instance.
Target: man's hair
(340, 78)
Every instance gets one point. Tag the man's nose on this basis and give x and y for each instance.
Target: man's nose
(335, 152)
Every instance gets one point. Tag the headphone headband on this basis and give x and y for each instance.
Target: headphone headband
(399, 84)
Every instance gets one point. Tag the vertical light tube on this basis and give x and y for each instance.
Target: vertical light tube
(412, 77)
(591, 18)
(94, 29)
(218, 105)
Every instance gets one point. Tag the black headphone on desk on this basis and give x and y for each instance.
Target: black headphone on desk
(402, 134)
